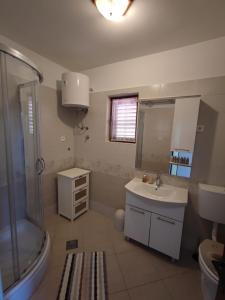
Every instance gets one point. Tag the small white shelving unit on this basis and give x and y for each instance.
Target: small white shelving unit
(73, 192)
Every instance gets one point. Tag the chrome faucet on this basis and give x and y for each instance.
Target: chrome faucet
(158, 181)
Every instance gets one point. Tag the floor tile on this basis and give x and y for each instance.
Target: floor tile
(99, 246)
(167, 268)
(49, 286)
(115, 279)
(120, 243)
(145, 272)
(154, 291)
(137, 268)
(50, 223)
(97, 238)
(68, 231)
(124, 295)
(185, 286)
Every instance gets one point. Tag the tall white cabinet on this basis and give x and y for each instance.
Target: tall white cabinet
(73, 192)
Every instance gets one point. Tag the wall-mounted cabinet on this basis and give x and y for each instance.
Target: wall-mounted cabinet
(185, 124)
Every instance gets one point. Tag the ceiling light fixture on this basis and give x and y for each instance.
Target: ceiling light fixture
(113, 10)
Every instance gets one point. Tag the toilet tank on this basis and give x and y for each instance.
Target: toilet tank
(75, 90)
(211, 203)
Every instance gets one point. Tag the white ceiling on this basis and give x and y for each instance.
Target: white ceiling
(73, 33)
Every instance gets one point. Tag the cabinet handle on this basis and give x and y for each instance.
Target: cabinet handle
(138, 211)
(40, 165)
(167, 221)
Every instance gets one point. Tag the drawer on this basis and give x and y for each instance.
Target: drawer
(80, 182)
(165, 235)
(80, 208)
(80, 194)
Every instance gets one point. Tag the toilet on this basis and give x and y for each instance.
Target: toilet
(208, 251)
(211, 206)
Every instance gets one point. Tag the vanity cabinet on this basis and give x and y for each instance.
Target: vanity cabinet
(185, 124)
(155, 224)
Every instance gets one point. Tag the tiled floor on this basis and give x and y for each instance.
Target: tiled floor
(134, 272)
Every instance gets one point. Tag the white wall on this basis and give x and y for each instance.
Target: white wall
(202, 60)
(50, 70)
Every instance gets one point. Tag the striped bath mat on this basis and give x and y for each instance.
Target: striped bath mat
(84, 277)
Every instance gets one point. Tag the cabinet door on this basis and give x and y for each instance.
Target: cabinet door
(185, 124)
(165, 235)
(137, 224)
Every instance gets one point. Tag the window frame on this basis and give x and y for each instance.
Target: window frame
(126, 96)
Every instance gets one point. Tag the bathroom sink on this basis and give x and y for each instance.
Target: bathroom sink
(164, 193)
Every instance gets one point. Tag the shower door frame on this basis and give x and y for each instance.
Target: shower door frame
(9, 168)
(4, 52)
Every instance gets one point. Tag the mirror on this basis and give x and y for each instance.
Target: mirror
(166, 135)
(155, 122)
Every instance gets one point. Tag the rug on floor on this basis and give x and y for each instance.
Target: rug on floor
(84, 277)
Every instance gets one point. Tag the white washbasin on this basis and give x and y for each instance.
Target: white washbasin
(211, 203)
(162, 191)
(165, 193)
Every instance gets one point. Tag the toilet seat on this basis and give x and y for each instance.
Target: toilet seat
(208, 249)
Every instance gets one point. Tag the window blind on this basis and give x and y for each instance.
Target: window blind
(123, 119)
(30, 116)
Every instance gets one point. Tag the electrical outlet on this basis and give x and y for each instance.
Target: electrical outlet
(62, 138)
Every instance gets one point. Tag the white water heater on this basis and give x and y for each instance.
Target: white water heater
(75, 90)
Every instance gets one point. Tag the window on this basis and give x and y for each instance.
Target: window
(123, 119)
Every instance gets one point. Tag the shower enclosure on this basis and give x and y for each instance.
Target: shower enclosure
(22, 237)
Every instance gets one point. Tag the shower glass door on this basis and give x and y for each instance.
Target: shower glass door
(31, 225)
(24, 167)
(32, 163)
